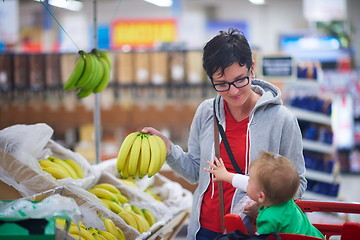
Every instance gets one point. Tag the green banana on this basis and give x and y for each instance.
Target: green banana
(89, 71)
(105, 78)
(78, 70)
(98, 73)
(106, 56)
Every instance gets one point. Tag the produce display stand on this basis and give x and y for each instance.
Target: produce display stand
(170, 229)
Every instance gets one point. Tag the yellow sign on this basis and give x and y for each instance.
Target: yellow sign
(142, 32)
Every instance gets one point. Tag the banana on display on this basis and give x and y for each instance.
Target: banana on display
(91, 73)
(140, 154)
(61, 168)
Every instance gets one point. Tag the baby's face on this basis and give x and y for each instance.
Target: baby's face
(253, 189)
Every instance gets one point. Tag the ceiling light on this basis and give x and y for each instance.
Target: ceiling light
(257, 2)
(161, 3)
(66, 4)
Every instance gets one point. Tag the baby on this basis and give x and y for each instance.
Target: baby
(273, 182)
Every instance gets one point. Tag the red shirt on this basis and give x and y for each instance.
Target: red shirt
(236, 135)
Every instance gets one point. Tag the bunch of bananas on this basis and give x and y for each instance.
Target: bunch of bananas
(61, 168)
(141, 154)
(81, 231)
(110, 196)
(91, 73)
(140, 219)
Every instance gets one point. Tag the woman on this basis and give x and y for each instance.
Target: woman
(252, 115)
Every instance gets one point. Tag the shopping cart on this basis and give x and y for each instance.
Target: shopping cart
(346, 231)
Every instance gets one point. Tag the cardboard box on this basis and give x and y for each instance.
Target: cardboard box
(6, 72)
(177, 66)
(124, 65)
(194, 70)
(37, 71)
(159, 67)
(52, 70)
(142, 67)
(21, 71)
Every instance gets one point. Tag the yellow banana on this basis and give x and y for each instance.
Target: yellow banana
(125, 172)
(108, 186)
(75, 75)
(112, 228)
(113, 206)
(121, 198)
(134, 156)
(81, 232)
(66, 166)
(162, 148)
(107, 235)
(92, 230)
(143, 225)
(149, 216)
(105, 202)
(77, 237)
(155, 156)
(100, 237)
(129, 182)
(105, 78)
(144, 159)
(76, 166)
(125, 150)
(128, 218)
(56, 172)
(97, 235)
(137, 210)
(103, 193)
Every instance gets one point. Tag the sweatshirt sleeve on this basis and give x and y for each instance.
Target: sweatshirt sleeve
(240, 181)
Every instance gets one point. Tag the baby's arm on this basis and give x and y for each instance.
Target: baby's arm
(219, 171)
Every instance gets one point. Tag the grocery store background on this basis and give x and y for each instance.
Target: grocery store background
(309, 48)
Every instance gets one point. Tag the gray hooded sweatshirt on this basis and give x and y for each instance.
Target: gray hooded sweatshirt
(271, 127)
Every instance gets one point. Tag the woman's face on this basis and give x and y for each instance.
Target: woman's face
(235, 97)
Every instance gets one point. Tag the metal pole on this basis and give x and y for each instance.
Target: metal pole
(97, 113)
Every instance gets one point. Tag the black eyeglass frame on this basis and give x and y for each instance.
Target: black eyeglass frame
(230, 83)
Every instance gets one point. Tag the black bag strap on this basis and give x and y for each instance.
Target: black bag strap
(226, 143)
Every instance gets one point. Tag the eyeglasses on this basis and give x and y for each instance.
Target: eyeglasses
(225, 86)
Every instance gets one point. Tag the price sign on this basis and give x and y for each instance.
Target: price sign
(277, 66)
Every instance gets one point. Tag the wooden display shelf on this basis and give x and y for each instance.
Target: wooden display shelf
(170, 229)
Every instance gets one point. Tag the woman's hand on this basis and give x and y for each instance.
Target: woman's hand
(153, 131)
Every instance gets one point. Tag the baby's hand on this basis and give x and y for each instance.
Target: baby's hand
(219, 170)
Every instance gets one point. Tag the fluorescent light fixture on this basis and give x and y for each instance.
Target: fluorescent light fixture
(257, 2)
(67, 4)
(160, 3)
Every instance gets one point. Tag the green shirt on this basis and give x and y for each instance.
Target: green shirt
(285, 218)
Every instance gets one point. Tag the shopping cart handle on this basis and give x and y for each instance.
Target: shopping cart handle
(328, 206)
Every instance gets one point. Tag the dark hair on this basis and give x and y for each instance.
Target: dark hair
(225, 49)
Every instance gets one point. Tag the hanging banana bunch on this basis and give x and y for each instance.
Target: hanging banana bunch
(91, 73)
